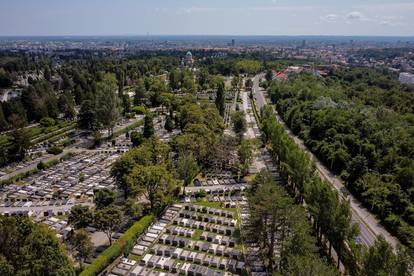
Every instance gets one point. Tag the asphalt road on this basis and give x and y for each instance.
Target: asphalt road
(369, 226)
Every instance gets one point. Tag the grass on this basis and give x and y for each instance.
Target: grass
(249, 177)
(206, 203)
(135, 257)
(197, 234)
(118, 247)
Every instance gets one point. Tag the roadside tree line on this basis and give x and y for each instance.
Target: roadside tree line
(330, 215)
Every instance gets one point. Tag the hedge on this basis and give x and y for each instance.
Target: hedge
(117, 248)
(126, 129)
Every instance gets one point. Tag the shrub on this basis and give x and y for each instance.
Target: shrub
(139, 110)
(130, 115)
(54, 150)
(201, 194)
(47, 122)
(41, 165)
(118, 248)
(68, 141)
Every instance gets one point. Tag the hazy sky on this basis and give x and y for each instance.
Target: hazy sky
(233, 17)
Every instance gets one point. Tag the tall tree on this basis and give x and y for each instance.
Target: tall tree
(187, 168)
(140, 93)
(104, 197)
(381, 260)
(149, 130)
(80, 216)
(21, 142)
(67, 106)
(136, 138)
(3, 122)
(27, 248)
(108, 220)
(169, 123)
(81, 246)
(221, 99)
(245, 153)
(154, 182)
(239, 123)
(87, 117)
(108, 102)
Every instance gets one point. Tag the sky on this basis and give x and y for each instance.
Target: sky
(207, 17)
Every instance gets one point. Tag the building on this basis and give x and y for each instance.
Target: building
(406, 78)
(189, 61)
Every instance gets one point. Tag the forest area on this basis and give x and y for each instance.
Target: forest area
(359, 122)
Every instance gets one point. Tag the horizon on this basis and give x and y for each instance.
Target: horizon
(210, 35)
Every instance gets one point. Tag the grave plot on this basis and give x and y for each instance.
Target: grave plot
(189, 239)
(71, 181)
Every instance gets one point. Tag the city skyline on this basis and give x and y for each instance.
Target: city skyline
(191, 17)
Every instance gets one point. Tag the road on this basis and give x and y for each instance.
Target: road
(369, 225)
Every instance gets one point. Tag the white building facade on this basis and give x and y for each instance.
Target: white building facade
(406, 78)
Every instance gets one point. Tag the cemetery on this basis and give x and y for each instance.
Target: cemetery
(188, 239)
(70, 182)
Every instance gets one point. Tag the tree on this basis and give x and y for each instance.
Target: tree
(108, 103)
(151, 151)
(381, 260)
(187, 168)
(20, 144)
(269, 224)
(80, 216)
(132, 208)
(175, 79)
(169, 124)
(249, 83)
(47, 122)
(27, 248)
(221, 99)
(6, 269)
(239, 123)
(67, 106)
(136, 138)
(87, 118)
(3, 122)
(81, 245)
(140, 93)
(47, 73)
(108, 220)
(245, 153)
(149, 130)
(236, 82)
(203, 78)
(126, 104)
(104, 197)
(342, 228)
(269, 75)
(308, 266)
(154, 182)
(120, 170)
(5, 79)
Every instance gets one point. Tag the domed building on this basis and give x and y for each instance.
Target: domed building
(189, 61)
